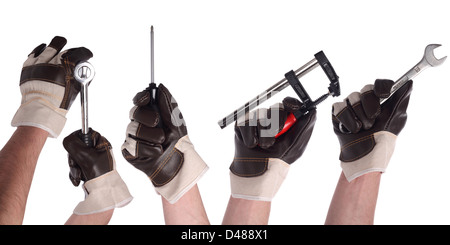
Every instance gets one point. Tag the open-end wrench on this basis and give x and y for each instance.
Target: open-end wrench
(428, 60)
(84, 73)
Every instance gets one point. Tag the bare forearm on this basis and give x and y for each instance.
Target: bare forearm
(102, 218)
(18, 160)
(189, 210)
(354, 202)
(246, 212)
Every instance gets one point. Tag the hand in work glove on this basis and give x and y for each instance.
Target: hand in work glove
(165, 154)
(370, 129)
(103, 186)
(48, 87)
(261, 161)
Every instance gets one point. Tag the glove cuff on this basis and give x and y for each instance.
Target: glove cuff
(41, 114)
(375, 161)
(103, 193)
(190, 173)
(262, 187)
(41, 107)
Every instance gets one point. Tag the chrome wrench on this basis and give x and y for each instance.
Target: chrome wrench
(428, 60)
(84, 73)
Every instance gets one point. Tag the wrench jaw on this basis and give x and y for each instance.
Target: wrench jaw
(430, 58)
(427, 60)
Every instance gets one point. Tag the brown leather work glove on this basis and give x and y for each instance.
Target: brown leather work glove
(261, 161)
(48, 87)
(157, 144)
(366, 130)
(95, 166)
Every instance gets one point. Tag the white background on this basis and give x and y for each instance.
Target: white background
(216, 55)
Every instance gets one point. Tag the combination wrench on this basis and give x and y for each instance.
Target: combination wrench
(84, 73)
(428, 60)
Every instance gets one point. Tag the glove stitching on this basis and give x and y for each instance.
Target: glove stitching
(360, 155)
(110, 162)
(356, 141)
(67, 80)
(162, 164)
(345, 108)
(40, 64)
(42, 93)
(264, 160)
(50, 104)
(174, 150)
(147, 95)
(395, 109)
(156, 120)
(138, 130)
(294, 107)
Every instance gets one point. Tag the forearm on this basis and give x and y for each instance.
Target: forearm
(354, 202)
(102, 218)
(188, 210)
(18, 160)
(246, 212)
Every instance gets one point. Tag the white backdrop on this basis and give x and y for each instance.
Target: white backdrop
(214, 56)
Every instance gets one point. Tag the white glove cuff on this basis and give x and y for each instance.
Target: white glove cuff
(103, 193)
(376, 161)
(40, 107)
(190, 173)
(38, 113)
(263, 187)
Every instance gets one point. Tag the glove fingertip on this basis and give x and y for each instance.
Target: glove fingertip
(58, 43)
(75, 181)
(38, 50)
(142, 98)
(165, 97)
(266, 142)
(382, 87)
(76, 55)
(292, 104)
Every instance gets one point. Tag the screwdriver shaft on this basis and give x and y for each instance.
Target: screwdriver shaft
(152, 67)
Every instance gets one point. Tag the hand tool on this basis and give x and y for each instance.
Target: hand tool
(152, 88)
(292, 78)
(428, 60)
(84, 73)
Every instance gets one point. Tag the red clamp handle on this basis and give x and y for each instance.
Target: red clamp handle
(287, 125)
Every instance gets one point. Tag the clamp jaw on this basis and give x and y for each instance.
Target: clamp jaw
(333, 89)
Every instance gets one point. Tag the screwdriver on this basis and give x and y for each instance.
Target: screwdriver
(152, 88)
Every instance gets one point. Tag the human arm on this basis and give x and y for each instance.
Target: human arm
(354, 202)
(188, 210)
(157, 144)
(103, 186)
(18, 160)
(246, 212)
(101, 218)
(47, 88)
(262, 161)
(367, 132)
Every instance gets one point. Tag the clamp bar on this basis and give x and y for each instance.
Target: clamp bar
(266, 94)
(291, 78)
